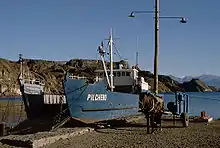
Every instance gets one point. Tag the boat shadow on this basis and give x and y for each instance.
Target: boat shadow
(43, 125)
(30, 127)
(129, 128)
(120, 126)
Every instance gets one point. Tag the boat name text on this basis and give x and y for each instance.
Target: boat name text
(97, 97)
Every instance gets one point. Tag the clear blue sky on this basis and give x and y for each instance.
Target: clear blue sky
(65, 29)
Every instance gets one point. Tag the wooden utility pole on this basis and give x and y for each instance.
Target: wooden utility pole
(156, 46)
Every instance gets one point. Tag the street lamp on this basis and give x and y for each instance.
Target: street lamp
(156, 12)
(182, 19)
(133, 12)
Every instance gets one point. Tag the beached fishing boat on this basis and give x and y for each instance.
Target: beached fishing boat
(37, 103)
(111, 94)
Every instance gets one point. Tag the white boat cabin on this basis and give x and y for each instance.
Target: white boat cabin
(121, 76)
(124, 79)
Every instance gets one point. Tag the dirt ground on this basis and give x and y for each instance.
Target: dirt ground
(197, 135)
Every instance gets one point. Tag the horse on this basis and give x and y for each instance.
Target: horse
(152, 106)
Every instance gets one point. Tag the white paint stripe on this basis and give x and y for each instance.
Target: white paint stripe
(54, 99)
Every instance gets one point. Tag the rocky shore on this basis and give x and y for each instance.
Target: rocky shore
(197, 135)
(134, 134)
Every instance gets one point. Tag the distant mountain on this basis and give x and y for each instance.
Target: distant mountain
(196, 85)
(180, 80)
(187, 78)
(210, 80)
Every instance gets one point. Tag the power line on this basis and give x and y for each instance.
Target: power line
(117, 51)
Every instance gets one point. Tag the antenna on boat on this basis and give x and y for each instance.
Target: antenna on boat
(136, 58)
(137, 52)
(111, 60)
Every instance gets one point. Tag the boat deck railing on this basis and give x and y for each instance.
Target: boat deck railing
(78, 77)
(33, 81)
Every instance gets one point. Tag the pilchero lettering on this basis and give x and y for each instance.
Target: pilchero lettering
(97, 97)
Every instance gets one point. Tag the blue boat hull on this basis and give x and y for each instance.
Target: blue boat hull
(93, 102)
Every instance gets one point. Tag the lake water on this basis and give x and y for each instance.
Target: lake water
(11, 111)
(198, 102)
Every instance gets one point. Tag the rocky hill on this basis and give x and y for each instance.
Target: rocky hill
(197, 85)
(52, 73)
(211, 80)
(165, 84)
(8, 78)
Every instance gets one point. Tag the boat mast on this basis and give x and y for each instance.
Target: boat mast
(102, 53)
(111, 60)
(21, 66)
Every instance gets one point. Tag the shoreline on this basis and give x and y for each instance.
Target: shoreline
(10, 97)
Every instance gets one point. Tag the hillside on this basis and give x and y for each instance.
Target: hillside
(196, 85)
(166, 84)
(210, 80)
(8, 77)
(52, 73)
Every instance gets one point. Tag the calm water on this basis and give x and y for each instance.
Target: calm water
(10, 99)
(198, 102)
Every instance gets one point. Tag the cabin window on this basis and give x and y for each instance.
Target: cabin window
(101, 74)
(114, 73)
(118, 74)
(123, 73)
(127, 73)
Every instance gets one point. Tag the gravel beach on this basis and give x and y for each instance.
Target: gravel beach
(135, 135)
(196, 135)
